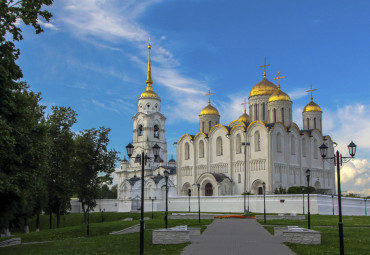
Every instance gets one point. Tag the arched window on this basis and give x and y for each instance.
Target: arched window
(239, 178)
(148, 105)
(209, 125)
(203, 126)
(263, 111)
(238, 143)
(292, 144)
(255, 112)
(257, 141)
(140, 130)
(219, 146)
(274, 115)
(137, 158)
(201, 149)
(308, 123)
(314, 122)
(156, 131)
(282, 115)
(304, 147)
(315, 149)
(187, 154)
(278, 142)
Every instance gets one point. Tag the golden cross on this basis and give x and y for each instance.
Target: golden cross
(310, 90)
(209, 94)
(245, 104)
(264, 68)
(278, 78)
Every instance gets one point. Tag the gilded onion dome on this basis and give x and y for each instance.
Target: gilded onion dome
(149, 93)
(209, 110)
(264, 87)
(244, 117)
(279, 95)
(312, 107)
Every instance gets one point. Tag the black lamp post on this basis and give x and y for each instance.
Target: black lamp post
(142, 159)
(245, 173)
(198, 185)
(308, 173)
(166, 174)
(189, 195)
(338, 160)
(303, 199)
(264, 202)
(152, 198)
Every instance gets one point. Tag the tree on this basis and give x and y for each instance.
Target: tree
(300, 190)
(22, 133)
(94, 164)
(107, 193)
(60, 180)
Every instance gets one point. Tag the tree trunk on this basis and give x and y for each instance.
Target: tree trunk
(58, 217)
(26, 228)
(51, 220)
(38, 223)
(85, 214)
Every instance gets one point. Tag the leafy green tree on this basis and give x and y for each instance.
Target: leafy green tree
(94, 164)
(21, 131)
(107, 193)
(60, 180)
(300, 190)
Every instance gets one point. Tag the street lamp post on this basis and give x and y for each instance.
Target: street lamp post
(332, 201)
(166, 174)
(152, 198)
(303, 199)
(264, 202)
(142, 159)
(189, 195)
(198, 185)
(308, 173)
(338, 160)
(245, 174)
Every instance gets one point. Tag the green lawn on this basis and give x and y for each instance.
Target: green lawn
(356, 234)
(72, 239)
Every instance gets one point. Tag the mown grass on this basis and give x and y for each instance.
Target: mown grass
(356, 234)
(72, 238)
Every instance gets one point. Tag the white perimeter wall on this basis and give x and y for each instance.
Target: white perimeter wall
(319, 204)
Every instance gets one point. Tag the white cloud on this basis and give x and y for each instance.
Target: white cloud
(296, 94)
(47, 25)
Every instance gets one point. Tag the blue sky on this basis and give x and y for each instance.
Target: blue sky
(93, 55)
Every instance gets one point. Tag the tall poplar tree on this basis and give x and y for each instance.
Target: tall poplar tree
(22, 132)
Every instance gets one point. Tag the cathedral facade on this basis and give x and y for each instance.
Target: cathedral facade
(148, 130)
(265, 146)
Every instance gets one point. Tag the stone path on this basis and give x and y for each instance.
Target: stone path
(234, 237)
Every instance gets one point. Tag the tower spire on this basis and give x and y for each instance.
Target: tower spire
(149, 81)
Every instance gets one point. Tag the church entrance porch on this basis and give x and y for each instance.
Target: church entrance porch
(208, 190)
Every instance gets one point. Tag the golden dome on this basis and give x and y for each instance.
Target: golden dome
(209, 110)
(279, 96)
(149, 94)
(264, 87)
(312, 107)
(244, 117)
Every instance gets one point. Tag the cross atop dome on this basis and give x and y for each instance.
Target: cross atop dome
(264, 68)
(209, 95)
(245, 104)
(278, 78)
(311, 90)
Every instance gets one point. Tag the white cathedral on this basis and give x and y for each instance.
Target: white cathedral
(278, 152)
(265, 147)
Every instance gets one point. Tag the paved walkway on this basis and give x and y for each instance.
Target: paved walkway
(234, 237)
